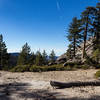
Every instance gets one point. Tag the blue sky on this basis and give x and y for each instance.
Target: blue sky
(41, 23)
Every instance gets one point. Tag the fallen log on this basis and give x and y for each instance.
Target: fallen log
(73, 84)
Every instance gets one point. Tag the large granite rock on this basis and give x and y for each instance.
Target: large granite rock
(79, 53)
(61, 59)
(89, 49)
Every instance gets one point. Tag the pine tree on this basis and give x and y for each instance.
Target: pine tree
(52, 57)
(96, 55)
(96, 25)
(85, 24)
(4, 57)
(45, 59)
(23, 58)
(69, 52)
(91, 25)
(32, 58)
(74, 35)
(39, 59)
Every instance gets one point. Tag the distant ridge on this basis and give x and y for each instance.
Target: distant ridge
(14, 54)
(17, 54)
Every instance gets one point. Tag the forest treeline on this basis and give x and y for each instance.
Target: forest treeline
(25, 57)
(79, 31)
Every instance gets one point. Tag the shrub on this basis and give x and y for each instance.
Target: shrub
(97, 74)
(90, 61)
(84, 67)
(98, 66)
(96, 55)
(51, 68)
(68, 68)
(35, 68)
(6, 68)
(20, 68)
(72, 64)
(76, 66)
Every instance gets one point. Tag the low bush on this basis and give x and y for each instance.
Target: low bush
(20, 68)
(96, 55)
(68, 68)
(60, 67)
(72, 64)
(97, 74)
(6, 68)
(46, 68)
(98, 66)
(76, 66)
(85, 67)
(35, 68)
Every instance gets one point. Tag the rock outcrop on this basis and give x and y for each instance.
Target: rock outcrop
(79, 52)
(89, 48)
(61, 59)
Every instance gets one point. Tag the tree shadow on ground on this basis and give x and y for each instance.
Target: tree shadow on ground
(21, 91)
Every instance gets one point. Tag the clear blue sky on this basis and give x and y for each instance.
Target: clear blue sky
(41, 23)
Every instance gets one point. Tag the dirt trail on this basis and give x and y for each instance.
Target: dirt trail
(36, 86)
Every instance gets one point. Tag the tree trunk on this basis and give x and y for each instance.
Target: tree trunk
(85, 38)
(74, 46)
(73, 84)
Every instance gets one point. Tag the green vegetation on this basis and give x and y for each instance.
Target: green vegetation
(85, 67)
(35, 68)
(39, 59)
(23, 58)
(74, 35)
(96, 55)
(4, 56)
(97, 74)
(52, 57)
(45, 59)
(55, 67)
(20, 68)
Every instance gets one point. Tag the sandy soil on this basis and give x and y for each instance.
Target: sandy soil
(36, 86)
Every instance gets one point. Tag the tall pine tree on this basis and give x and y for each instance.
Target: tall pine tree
(85, 27)
(45, 59)
(39, 59)
(23, 58)
(74, 35)
(32, 58)
(96, 25)
(52, 57)
(4, 57)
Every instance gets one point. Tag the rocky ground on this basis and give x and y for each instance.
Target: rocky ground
(36, 86)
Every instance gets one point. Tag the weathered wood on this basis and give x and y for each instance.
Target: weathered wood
(73, 84)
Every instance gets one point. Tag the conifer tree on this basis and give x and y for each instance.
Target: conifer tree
(45, 59)
(85, 25)
(23, 58)
(74, 35)
(96, 25)
(52, 57)
(39, 59)
(69, 52)
(4, 57)
(32, 58)
(91, 23)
